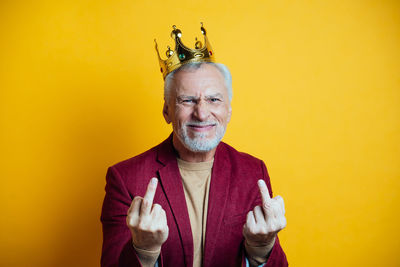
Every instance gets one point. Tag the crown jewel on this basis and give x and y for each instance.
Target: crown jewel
(182, 54)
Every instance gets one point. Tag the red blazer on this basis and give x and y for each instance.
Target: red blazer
(233, 193)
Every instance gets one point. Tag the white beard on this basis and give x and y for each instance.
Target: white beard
(200, 143)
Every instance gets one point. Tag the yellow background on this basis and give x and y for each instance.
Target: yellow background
(316, 96)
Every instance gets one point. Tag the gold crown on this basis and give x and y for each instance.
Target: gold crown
(182, 54)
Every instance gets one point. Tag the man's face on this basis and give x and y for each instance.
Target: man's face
(198, 108)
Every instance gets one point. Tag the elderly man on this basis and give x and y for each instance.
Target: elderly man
(192, 200)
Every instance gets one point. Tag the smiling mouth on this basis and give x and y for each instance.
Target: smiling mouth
(200, 128)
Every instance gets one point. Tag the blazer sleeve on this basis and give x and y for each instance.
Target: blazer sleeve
(277, 257)
(117, 247)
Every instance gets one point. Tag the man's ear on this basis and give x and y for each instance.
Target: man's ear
(165, 113)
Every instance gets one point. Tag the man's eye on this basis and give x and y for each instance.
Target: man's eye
(214, 99)
(187, 101)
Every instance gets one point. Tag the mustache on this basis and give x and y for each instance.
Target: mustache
(201, 123)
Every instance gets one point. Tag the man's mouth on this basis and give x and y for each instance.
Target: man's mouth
(201, 127)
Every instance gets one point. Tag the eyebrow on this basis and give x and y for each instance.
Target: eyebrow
(181, 97)
(215, 96)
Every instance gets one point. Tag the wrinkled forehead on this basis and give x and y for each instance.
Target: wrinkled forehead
(206, 80)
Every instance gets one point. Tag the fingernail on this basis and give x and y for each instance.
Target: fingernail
(260, 182)
(154, 180)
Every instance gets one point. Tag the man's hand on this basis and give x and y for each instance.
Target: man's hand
(263, 223)
(147, 221)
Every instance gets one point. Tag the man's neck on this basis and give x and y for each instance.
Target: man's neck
(190, 156)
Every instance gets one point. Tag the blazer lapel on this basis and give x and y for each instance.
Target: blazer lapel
(218, 195)
(171, 183)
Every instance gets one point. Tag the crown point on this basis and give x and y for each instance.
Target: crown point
(176, 33)
(169, 52)
(198, 44)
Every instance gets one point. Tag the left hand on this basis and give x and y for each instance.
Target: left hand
(263, 223)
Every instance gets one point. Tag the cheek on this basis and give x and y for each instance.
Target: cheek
(182, 115)
(222, 115)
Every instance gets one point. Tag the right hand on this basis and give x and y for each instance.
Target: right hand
(147, 221)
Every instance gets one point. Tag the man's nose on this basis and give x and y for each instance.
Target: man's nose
(201, 111)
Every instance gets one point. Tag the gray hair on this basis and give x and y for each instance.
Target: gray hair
(194, 66)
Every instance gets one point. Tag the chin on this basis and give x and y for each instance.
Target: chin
(200, 143)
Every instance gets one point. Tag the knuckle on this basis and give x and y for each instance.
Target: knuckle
(142, 225)
(163, 230)
(136, 201)
(137, 198)
(267, 205)
(263, 231)
(254, 230)
(157, 207)
(130, 221)
(272, 227)
(145, 203)
(153, 228)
